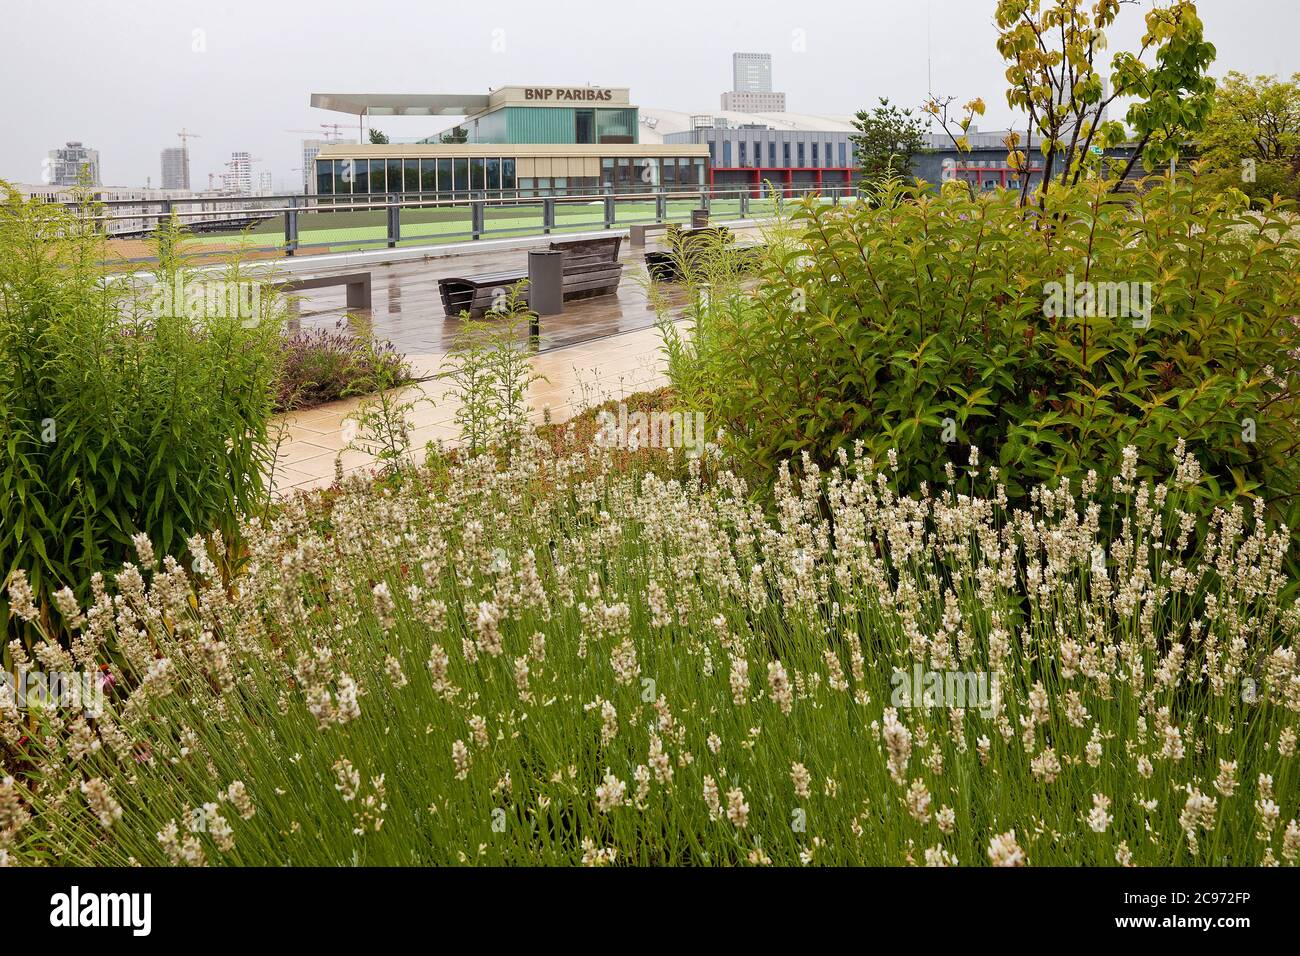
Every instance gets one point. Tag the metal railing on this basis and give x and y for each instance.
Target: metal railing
(298, 224)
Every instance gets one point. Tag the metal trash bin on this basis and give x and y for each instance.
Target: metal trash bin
(699, 218)
(546, 282)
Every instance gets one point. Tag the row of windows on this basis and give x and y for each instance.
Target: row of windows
(337, 177)
(459, 175)
(785, 154)
(650, 172)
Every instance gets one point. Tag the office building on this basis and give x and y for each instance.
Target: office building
(751, 85)
(751, 72)
(176, 168)
(522, 140)
(65, 166)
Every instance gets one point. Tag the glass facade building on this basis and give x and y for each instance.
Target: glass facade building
(494, 175)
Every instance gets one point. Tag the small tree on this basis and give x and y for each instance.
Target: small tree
(1054, 48)
(378, 136)
(889, 138)
(457, 134)
(1252, 138)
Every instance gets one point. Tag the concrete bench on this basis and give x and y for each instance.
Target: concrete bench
(591, 268)
(638, 233)
(358, 286)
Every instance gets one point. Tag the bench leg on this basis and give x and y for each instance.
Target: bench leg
(637, 236)
(358, 295)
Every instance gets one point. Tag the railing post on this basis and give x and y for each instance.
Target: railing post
(609, 211)
(548, 215)
(704, 199)
(394, 222)
(744, 204)
(476, 218)
(291, 227)
(661, 206)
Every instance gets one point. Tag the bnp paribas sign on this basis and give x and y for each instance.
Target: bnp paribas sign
(559, 96)
(571, 94)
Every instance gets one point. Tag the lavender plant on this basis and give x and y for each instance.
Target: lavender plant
(551, 662)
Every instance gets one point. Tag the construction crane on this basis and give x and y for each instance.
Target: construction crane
(331, 131)
(185, 135)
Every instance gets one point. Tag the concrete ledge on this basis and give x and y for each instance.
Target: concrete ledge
(327, 262)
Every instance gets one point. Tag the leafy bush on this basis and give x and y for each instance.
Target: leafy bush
(558, 663)
(921, 324)
(323, 365)
(490, 370)
(125, 408)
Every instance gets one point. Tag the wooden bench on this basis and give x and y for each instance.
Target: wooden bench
(637, 233)
(358, 286)
(591, 268)
(690, 249)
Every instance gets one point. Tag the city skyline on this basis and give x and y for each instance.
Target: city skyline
(234, 76)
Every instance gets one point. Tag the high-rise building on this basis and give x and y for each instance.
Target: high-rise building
(65, 165)
(176, 168)
(264, 184)
(238, 177)
(751, 92)
(751, 72)
(310, 147)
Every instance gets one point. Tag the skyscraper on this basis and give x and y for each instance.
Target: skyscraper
(751, 72)
(751, 92)
(64, 165)
(176, 168)
(239, 178)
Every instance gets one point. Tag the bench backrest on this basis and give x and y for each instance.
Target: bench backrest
(606, 248)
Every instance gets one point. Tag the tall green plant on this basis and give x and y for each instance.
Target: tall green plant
(490, 370)
(129, 403)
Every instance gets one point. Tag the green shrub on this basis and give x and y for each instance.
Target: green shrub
(920, 323)
(126, 406)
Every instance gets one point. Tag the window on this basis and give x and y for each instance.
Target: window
(444, 175)
(508, 173)
(771, 153)
(494, 175)
(584, 122)
(343, 176)
(785, 153)
(607, 172)
(726, 152)
(477, 173)
(410, 175)
(843, 150)
(814, 155)
(428, 175)
(324, 177)
(360, 175)
(394, 175)
(799, 150)
(461, 166)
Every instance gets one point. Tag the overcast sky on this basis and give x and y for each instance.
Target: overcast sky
(124, 76)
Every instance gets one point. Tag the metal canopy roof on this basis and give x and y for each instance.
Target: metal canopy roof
(402, 104)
